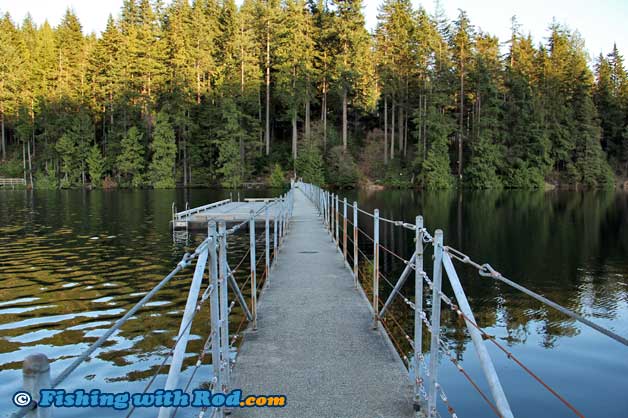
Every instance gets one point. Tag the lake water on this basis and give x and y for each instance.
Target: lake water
(71, 262)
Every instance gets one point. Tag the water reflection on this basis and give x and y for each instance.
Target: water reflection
(72, 261)
(571, 247)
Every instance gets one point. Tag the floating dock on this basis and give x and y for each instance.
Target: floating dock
(224, 210)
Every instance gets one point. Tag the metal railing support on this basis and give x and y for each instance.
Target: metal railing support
(337, 223)
(398, 285)
(36, 376)
(267, 241)
(280, 220)
(418, 310)
(355, 244)
(275, 221)
(435, 322)
(224, 308)
(172, 381)
(501, 402)
(238, 293)
(375, 266)
(344, 228)
(253, 272)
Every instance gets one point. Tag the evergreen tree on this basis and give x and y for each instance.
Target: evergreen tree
(164, 152)
(130, 161)
(95, 165)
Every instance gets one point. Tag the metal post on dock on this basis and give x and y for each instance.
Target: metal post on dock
(337, 223)
(332, 216)
(36, 376)
(418, 310)
(214, 300)
(344, 229)
(275, 220)
(224, 309)
(435, 322)
(267, 238)
(281, 218)
(375, 266)
(355, 243)
(501, 401)
(253, 272)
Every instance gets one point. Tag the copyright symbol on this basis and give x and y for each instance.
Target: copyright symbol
(22, 399)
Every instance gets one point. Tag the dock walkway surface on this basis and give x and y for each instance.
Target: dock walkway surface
(315, 341)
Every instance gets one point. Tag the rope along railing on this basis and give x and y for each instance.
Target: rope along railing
(210, 255)
(335, 214)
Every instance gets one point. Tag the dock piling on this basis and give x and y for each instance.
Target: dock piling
(36, 376)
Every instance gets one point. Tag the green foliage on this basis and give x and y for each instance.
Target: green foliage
(482, 170)
(342, 170)
(45, 180)
(130, 161)
(11, 168)
(96, 165)
(435, 173)
(277, 177)
(538, 112)
(229, 164)
(310, 165)
(164, 156)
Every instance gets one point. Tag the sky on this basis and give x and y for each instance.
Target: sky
(601, 22)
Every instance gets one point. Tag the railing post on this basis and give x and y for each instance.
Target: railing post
(253, 272)
(435, 322)
(337, 224)
(355, 243)
(418, 310)
(375, 267)
(172, 381)
(267, 237)
(224, 308)
(214, 300)
(281, 218)
(332, 216)
(275, 221)
(36, 376)
(344, 228)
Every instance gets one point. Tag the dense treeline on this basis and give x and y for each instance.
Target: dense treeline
(211, 92)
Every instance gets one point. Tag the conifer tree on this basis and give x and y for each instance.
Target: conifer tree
(164, 152)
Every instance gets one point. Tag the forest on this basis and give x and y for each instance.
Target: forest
(214, 93)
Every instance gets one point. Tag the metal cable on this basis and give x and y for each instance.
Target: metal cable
(486, 270)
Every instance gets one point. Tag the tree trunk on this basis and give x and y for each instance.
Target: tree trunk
(30, 164)
(4, 150)
(385, 130)
(267, 132)
(392, 130)
(294, 134)
(405, 134)
(324, 114)
(307, 114)
(24, 160)
(344, 119)
(400, 127)
(461, 117)
(185, 163)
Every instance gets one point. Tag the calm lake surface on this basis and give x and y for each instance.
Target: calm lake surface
(71, 262)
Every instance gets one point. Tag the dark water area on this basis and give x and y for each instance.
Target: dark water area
(71, 262)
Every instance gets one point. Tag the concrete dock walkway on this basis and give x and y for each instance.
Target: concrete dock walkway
(315, 341)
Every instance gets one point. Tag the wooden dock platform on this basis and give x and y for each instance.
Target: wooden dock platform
(315, 341)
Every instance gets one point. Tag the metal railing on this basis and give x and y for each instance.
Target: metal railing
(334, 212)
(211, 257)
(12, 182)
